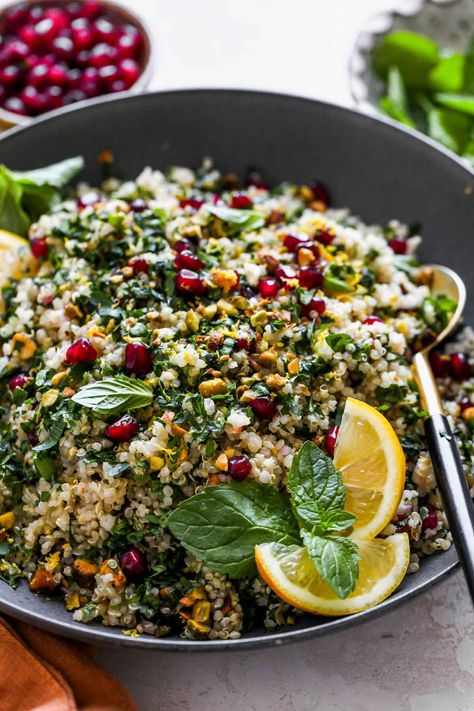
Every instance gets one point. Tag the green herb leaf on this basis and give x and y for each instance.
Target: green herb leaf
(448, 74)
(239, 220)
(54, 435)
(24, 196)
(324, 520)
(338, 341)
(337, 561)
(393, 395)
(114, 395)
(468, 79)
(450, 128)
(395, 104)
(334, 285)
(222, 525)
(463, 103)
(313, 480)
(414, 55)
(117, 469)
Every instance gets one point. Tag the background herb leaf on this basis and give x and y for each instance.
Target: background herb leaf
(239, 220)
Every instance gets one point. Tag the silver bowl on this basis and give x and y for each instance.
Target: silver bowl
(8, 119)
(450, 23)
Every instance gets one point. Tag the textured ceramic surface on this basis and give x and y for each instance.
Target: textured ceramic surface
(382, 171)
(449, 22)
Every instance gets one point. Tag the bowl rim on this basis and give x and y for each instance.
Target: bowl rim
(9, 119)
(101, 634)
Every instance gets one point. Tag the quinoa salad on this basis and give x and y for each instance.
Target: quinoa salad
(238, 319)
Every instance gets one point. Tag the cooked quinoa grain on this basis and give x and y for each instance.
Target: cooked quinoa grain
(250, 316)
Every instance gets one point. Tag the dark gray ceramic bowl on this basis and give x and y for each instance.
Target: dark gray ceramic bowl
(378, 169)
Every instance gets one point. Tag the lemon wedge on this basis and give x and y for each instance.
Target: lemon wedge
(15, 256)
(371, 461)
(291, 573)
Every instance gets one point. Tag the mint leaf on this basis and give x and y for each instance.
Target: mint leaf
(313, 480)
(222, 525)
(337, 561)
(414, 55)
(449, 128)
(448, 74)
(114, 395)
(324, 520)
(239, 220)
(459, 102)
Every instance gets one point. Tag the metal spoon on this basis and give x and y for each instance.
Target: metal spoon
(447, 465)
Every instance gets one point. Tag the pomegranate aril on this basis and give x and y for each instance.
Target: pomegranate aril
(330, 440)
(90, 9)
(195, 203)
(63, 47)
(398, 245)
(430, 521)
(15, 17)
(81, 351)
(293, 241)
(18, 381)
(39, 248)
(58, 17)
(263, 407)
(102, 55)
(53, 97)
(57, 74)
(83, 58)
(105, 31)
(128, 45)
(82, 38)
(245, 343)
(33, 99)
(139, 265)
(460, 368)
(285, 273)
(240, 202)
(465, 403)
(325, 237)
(46, 30)
(137, 358)
(183, 245)
(117, 86)
(189, 282)
(239, 467)
(14, 51)
(129, 71)
(15, 105)
(123, 430)
(319, 191)
(316, 307)
(187, 260)
(268, 287)
(71, 97)
(10, 74)
(133, 564)
(88, 87)
(371, 320)
(310, 277)
(440, 365)
(28, 35)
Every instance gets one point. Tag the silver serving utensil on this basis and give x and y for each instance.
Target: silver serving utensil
(447, 465)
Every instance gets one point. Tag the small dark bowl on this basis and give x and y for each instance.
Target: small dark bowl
(113, 11)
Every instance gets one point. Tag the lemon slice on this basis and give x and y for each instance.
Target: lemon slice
(291, 573)
(15, 256)
(371, 461)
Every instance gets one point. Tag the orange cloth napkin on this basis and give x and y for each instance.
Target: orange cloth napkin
(42, 672)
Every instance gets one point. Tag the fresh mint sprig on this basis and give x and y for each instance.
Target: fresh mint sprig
(222, 525)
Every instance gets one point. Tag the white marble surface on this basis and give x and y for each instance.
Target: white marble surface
(418, 658)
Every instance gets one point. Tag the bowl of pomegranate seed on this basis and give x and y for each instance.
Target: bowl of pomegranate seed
(53, 54)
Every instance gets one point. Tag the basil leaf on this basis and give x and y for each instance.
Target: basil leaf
(463, 103)
(239, 220)
(222, 525)
(25, 195)
(448, 74)
(314, 480)
(338, 341)
(12, 215)
(395, 104)
(337, 561)
(414, 55)
(54, 435)
(56, 175)
(113, 395)
(315, 517)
